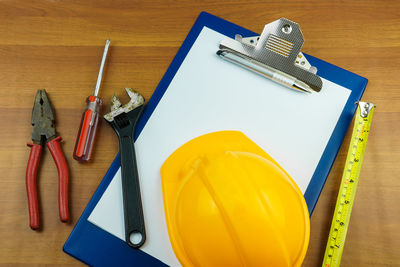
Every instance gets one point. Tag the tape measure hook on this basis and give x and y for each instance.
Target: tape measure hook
(365, 108)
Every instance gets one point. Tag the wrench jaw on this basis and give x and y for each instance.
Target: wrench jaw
(136, 101)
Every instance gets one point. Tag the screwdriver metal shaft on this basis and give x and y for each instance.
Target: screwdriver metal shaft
(103, 62)
(90, 118)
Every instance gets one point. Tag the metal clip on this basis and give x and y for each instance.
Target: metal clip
(275, 54)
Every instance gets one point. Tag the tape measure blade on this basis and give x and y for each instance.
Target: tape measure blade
(348, 185)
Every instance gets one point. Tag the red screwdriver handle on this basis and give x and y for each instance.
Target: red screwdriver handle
(87, 130)
(31, 189)
(63, 177)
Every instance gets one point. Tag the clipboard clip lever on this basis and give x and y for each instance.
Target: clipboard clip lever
(274, 54)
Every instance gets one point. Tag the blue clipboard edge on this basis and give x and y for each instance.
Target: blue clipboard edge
(94, 246)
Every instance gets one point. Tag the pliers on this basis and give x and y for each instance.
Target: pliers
(45, 133)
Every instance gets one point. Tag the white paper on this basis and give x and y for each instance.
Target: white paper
(209, 94)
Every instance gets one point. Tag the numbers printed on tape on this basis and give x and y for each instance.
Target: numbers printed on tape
(348, 185)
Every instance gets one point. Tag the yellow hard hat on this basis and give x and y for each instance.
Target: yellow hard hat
(228, 203)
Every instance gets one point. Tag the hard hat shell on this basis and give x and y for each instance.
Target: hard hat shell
(228, 203)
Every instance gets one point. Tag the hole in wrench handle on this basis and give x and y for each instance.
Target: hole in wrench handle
(136, 239)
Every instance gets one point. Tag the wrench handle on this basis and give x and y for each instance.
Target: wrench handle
(134, 220)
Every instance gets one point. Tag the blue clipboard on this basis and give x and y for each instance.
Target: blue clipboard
(94, 246)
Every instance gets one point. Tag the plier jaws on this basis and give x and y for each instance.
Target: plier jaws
(44, 133)
(42, 119)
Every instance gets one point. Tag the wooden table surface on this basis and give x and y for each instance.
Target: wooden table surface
(57, 45)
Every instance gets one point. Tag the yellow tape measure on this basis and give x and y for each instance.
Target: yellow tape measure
(348, 186)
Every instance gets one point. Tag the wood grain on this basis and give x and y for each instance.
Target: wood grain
(57, 45)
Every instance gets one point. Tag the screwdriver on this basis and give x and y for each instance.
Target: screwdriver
(90, 118)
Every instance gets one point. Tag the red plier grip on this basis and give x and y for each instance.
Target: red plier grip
(31, 171)
(63, 177)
